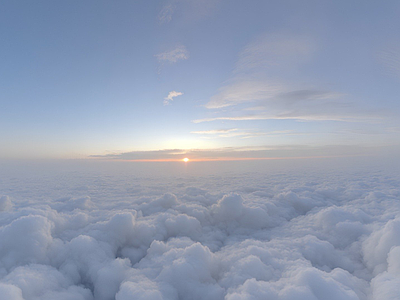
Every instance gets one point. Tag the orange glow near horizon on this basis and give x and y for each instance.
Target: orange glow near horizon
(228, 158)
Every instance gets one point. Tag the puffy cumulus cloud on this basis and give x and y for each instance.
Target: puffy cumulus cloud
(9, 291)
(5, 203)
(379, 244)
(241, 235)
(25, 240)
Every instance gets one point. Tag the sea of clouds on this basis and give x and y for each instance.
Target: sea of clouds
(156, 231)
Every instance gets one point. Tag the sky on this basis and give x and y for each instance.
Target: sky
(208, 79)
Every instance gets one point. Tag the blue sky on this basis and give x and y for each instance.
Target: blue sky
(83, 78)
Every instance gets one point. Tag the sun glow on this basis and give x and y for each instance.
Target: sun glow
(185, 159)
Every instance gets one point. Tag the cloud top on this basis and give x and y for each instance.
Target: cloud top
(288, 234)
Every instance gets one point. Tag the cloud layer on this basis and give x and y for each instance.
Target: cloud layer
(118, 233)
(258, 152)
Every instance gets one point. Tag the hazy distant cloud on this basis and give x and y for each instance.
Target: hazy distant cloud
(165, 15)
(238, 152)
(307, 95)
(276, 50)
(173, 56)
(391, 61)
(228, 152)
(191, 9)
(393, 129)
(171, 96)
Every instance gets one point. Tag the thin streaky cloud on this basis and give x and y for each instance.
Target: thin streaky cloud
(214, 131)
(267, 92)
(242, 91)
(393, 129)
(251, 89)
(171, 96)
(320, 117)
(246, 134)
(237, 152)
(275, 50)
(391, 61)
(241, 133)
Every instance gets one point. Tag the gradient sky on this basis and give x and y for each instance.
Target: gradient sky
(135, 79)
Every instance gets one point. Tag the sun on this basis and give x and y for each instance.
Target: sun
(185, 159)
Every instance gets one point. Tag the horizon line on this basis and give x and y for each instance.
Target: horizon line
(225, 158)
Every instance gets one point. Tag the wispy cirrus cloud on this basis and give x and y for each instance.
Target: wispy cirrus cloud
(259, 83)
(241, 133)
(165, 15)
(174, 55)
(171, 96)
(275, 52)
(214, 131)
(372, 117)
(191, 9)
(390, 58)
(266, 92)
(241, 91)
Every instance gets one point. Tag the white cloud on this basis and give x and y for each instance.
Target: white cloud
(300, 116)
(171, 96)
(276, 232)
(173, 56)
